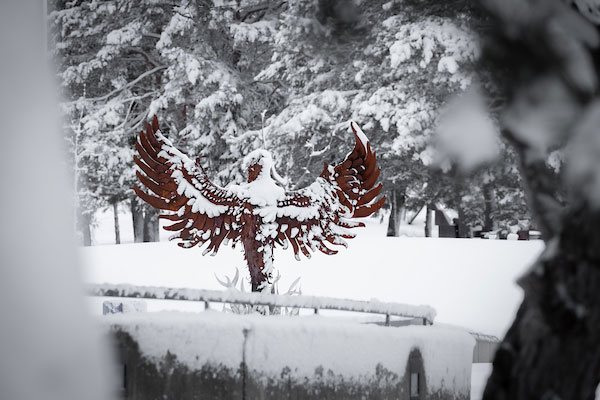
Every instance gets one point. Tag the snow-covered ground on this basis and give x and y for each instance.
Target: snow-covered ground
(479, 375)
(470, 282)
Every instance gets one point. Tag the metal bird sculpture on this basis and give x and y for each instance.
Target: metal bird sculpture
(260, 214)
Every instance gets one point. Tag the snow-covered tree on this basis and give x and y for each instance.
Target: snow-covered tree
(389, 67)
(102, 50)
(227, 77)
(123, 61)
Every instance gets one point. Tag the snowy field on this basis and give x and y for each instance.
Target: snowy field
(470, 282)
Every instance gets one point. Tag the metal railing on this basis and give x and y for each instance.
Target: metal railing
(316, 303)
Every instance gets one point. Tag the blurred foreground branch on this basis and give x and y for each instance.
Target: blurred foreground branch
(541, 58)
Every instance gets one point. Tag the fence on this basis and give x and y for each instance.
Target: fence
(316, 303)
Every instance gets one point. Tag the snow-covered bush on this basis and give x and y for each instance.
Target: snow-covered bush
(232, 284)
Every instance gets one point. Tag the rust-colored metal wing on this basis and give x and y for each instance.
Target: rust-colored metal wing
(356, 177)
(319, 214)
(200, 210)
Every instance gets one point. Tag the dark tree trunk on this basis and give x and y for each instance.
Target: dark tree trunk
(85, 224)
(551, 350)
(151, 227)
(463, 231)
(116, 219)
(428, 221)
(460, 188)
(397, 201)
(489, 197)
(137, 214)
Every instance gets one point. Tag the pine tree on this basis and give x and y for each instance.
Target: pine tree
(122, 62)
(388, 67)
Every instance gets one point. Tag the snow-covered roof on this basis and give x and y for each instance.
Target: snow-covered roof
(484, 337)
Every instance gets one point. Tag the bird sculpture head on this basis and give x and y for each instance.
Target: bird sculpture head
(259, 164)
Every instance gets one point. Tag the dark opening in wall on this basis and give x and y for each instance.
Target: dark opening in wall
(415, 382)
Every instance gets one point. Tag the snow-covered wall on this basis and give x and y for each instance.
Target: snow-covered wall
(308, 354)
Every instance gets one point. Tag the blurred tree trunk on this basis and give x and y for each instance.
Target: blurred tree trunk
(460, 189)
(397, 210)
(552, 349)
(115, 206)
(463, 230)
(137, 215)
(428, 221)
(85, 225)
(489, 197)
(145, 222)
(151, 227)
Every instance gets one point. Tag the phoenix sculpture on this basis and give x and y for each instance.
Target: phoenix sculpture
(260, 213)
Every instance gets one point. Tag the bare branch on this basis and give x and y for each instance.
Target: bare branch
(147, 56)
(258, 11)
(152, 35)
(130, 84)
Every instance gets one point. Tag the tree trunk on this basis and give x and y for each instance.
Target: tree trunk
(551, 350)
(151, 227)
(463, 231)
(397, 201)
(137, 214)
(428, 221)
(460, 188)
(415, 216)
(116, 219)
(489, 197)
(85, 224)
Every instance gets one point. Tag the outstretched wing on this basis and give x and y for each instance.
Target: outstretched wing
(321, 213)
(200, 210)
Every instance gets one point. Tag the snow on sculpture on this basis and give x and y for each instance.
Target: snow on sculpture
(259, 213)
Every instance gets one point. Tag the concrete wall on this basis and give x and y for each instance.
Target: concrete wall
(265, 369)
